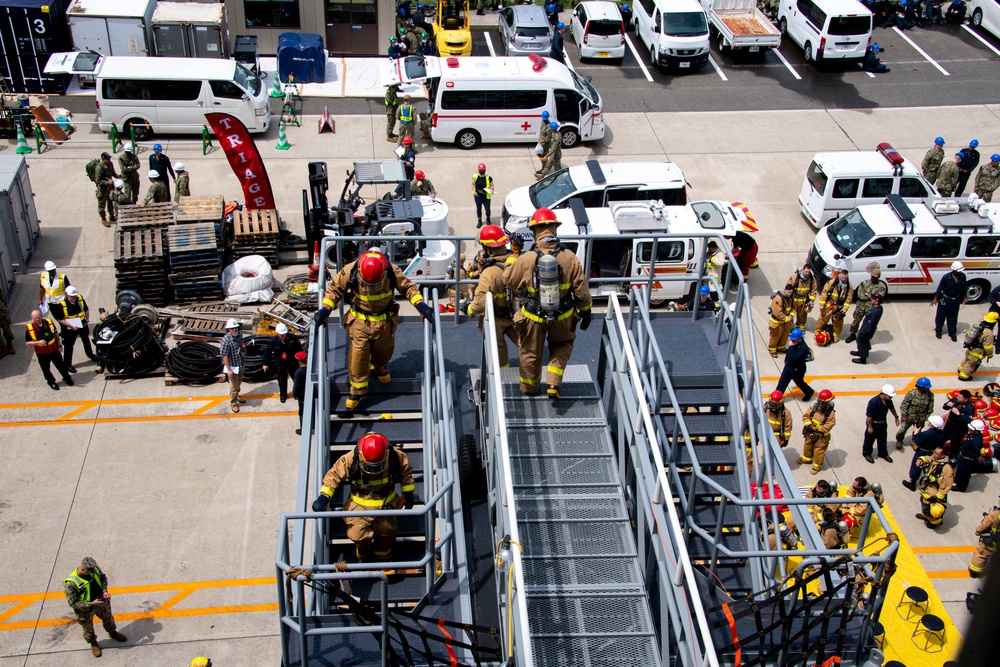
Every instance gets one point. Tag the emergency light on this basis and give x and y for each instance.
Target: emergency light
(537, 62)
(893, 156)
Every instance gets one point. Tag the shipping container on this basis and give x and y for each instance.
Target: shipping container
(191, 29)
(30, 30)
(112, 27)
(18, 217)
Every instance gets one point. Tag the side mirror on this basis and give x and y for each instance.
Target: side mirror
(656, 28)
(837, 256)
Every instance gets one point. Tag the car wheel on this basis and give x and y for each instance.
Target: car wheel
(783, 26)
(976, 290)
(468, 139)
(142, 131)
(807, 51)
(570, 137)
(977, 18)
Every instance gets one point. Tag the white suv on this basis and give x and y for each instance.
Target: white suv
(596, 185)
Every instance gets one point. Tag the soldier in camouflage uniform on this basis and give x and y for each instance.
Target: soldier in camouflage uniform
(87, 594)
(119, 196)
(988, 178)
(915, 410)
(947, 179)
(104, 177)
(421, 185)
(932, 160)
(157, 193)
(553, 153)
(182, 185)
(864, 301)
(391, 102)
(545, 132)
(128, 162)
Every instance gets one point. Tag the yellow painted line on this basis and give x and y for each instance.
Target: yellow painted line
(875, 376)
(15, 610)
(136, 616)
(80, 410)
(158, 418)
(949, 574)
(944, 550)
(175, 599)
(208, 406)
(127, 401)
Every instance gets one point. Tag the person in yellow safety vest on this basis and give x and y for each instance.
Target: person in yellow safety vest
(53, 285)
(373, 468)
(978, 349)
(817, 423)
(780, 323)
(988, 531)
(554, 300)
(368, 284)
(937, 475)
(494, 243)
(405, 115)
(482, 193)
(86, 590)
(834, 302)
(40, 335)
(804, 289)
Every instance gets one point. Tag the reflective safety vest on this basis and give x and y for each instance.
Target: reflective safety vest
(390, 98)
(78, 309)
(488, 183)
(45, 332)
(82, 583)
(55, 290)
(406, 114)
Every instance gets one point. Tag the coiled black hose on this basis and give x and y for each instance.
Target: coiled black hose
(194, 361)
(127, 347)
(256, 347)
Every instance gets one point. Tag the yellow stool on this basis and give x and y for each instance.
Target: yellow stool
(933, 628)
(916, 599)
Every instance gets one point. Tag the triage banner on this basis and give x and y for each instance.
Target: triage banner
(244, 159)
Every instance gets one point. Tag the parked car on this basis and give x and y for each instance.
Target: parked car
(598, 30)
(524, 30)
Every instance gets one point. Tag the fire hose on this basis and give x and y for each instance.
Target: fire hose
(127, 347)
(194, 361)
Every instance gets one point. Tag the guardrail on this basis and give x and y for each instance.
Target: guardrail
(114, 136)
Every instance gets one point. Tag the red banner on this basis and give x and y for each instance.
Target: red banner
(244, 159)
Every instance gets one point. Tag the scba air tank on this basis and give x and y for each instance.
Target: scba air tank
(548, 283)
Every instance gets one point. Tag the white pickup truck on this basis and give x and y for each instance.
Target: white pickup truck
(741, 27)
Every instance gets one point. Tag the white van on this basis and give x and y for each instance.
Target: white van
(837, 182)
(168, 92)
(501, 99)
(597, 29)
(914, 246)
(985, 14)
(827, 29)
(597, 185)
(674, 31)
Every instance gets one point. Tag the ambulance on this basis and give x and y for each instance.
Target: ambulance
(618, 242)
(914, 245)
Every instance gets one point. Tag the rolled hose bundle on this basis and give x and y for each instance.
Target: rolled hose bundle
(127, 347)
(256, 347)
(194, 361)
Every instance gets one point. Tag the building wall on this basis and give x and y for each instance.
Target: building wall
(312, 15)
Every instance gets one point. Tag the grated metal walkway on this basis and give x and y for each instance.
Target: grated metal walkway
(586, 600)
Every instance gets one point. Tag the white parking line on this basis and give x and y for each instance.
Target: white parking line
(569, 61)
(489, 43)
(921, 51)
(638, 60)
(988, 45)
(786, 63)
(718, 70)
(870, 75)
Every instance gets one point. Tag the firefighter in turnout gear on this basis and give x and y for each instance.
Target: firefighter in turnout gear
(978, 346)
(834, 302)
(817, 422)
(915, 410)
(988, 531)
(368, 285)
(804, 289)
(554, 288)
(374, 468)
(494, 243)
(936, 477)
(779, 418)
(781, 323)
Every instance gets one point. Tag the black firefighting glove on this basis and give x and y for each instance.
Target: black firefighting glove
(321, 315)
(584, 320)
(426, 313)
(321, 503)
(408, 499)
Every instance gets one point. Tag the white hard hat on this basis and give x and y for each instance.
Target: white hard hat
(957, 266)
(179, 166)
(977, 425)
(50, 266)
(119, 184)
(232, 324)
(128, 148)
(936, 421)
(153, 173)
(888, 390)
(281, 329)
(71, 291)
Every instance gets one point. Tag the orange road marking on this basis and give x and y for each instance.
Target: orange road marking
(175, 599)
(136, 616)
(875, 376)
(208, 406)
(943, 550)
(15, 610)
(126, 401)
(83, 408)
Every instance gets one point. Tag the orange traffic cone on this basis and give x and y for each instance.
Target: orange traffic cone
(326, 122)
(314, 267)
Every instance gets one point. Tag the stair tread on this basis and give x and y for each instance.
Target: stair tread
(700, 424)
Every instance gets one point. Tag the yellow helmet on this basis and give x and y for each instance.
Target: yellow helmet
(201, 661)
(937, 510)
(991, 317)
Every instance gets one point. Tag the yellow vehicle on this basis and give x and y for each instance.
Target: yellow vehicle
(451, 28)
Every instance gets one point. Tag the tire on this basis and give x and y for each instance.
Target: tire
(977, 290)
(142, 133)
(570, 137)
(467, 139)
(148, 313)
(977, 18)
(783, 27)
(470, 471)
(807, 51)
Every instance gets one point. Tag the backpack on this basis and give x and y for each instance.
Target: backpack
(91, 169)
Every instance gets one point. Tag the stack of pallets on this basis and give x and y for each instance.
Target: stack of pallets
(256, 233)
(150, 216)
(141, 264)
(204, 209)
(194, 262)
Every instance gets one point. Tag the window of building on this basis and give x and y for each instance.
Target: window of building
(272, 13)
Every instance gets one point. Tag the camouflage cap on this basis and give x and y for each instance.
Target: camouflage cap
(88, 563)
(873, 268)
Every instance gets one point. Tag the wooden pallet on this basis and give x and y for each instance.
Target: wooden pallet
(190, 237)
(172, 381)
(141, 245)
(200, 209)
(152, 374)
(259, 223)
(203, 327)
(150, 216)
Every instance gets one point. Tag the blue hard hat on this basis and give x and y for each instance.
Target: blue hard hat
(704, 290)
(995, 157)
(545, 115)
(560, 25)
(420, 5)
(401, 11)
(624, 6)
(939, 141)
(876, 47)
(796, 334)
(924, 383)
(973, 143)
(157, 148)
(551, 7)
(553, 125)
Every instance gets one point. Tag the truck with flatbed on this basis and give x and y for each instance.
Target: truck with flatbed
(741, 27)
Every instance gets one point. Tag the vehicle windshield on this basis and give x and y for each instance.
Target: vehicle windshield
(584, 88)
(817, 179)
(850, 233)
(551, 189)
(86, 61)
(531, 31)
(604, 27)
(247, 80)
(709, 215)
(850, 25)
(685, 24)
